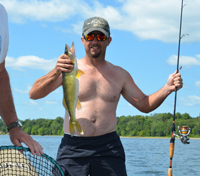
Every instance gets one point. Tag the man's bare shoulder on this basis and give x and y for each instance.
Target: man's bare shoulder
(119, 70)
(80, 62)
(115, 69)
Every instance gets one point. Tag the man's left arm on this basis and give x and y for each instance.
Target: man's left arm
(148, 103)
(8, 114)
(7, 108)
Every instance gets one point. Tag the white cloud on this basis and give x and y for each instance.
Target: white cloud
(30, 62)
(21, 91)
(51, 102)
(24, 91)
(30, 102)
(197, 84)
(190, 100)
(187, 61)
(148, 19)
(78, 27)
(56, 91)
(54, 10)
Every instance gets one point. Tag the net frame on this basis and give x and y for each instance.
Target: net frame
(20, 161)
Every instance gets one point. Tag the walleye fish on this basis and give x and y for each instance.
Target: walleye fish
(70, 89)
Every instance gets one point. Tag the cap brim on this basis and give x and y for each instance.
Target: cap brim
(96, 29)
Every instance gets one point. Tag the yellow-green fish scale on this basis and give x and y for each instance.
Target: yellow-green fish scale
(70, 87)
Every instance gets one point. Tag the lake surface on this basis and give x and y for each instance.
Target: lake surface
(144, 156)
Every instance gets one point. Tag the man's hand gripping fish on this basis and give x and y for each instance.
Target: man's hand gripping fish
(71, 88)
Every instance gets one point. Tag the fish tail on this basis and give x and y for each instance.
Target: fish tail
(75, 126)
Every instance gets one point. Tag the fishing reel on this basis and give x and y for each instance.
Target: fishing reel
(183, 133)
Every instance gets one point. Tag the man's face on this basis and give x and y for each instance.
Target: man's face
(95, 48)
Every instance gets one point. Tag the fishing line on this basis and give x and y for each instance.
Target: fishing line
(184, 132)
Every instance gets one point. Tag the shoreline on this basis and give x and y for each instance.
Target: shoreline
(154, 137)
(147, 137)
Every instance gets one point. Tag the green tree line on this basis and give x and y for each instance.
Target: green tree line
(154, 125)
(39, 126)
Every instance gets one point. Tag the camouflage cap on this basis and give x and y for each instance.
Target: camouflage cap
(96, 24)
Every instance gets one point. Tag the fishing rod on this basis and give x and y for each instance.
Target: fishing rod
(183, 131)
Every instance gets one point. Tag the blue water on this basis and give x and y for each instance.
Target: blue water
(144, 156)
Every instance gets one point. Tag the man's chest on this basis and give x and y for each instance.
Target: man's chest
(99, 86)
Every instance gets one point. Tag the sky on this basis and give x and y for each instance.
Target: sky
(145, 37)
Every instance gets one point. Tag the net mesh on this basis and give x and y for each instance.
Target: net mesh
(19, 161)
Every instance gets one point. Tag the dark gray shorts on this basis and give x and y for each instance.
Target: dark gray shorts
(94, 156)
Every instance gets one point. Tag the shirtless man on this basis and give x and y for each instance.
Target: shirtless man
(99, 151)
(7, 108)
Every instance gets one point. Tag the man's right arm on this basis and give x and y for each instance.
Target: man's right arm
(46, 84)
(42, 87)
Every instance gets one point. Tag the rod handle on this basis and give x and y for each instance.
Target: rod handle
(171, 150)
(170, 172)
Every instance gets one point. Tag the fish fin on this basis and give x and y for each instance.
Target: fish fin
(72, 49)
(78, 105)
(78, 127)
(71, 128)
(66, 49)
(75, 126)
(77, 74)
(81, 73)
(64, 104)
